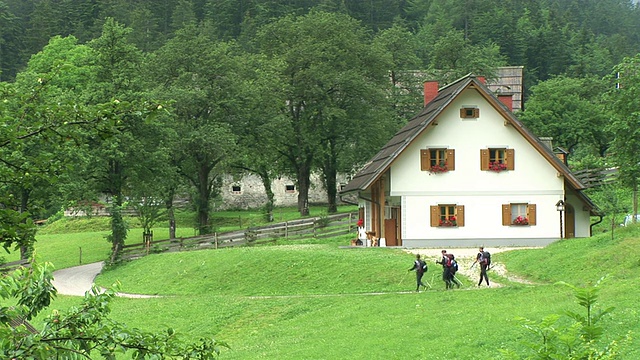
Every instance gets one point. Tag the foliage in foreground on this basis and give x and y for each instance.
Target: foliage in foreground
(81, 332)
(579, 339)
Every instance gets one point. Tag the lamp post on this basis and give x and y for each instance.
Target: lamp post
(560, 208)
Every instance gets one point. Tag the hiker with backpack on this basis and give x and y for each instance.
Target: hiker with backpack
(484, 259)
(453, 269)
(446, 269)
(420, 267)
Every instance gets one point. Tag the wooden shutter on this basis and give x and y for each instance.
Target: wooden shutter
(531, 209)
(451, 159)
(435, 216)
(460, 215)
(509, 154)
(484, 159)
(506, 214)
(425, 159)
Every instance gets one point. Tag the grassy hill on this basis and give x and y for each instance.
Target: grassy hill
(321, 301)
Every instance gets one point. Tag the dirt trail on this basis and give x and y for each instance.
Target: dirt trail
(465, 258)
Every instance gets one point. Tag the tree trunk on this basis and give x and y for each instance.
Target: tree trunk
(269, 206)
(171, 215)
(202, 203)
(330, 173)
(635, 201)
(304, 176)
(25, 249)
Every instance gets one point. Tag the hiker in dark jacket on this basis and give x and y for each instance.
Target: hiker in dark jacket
(420, 267)
(453, 268)
(446, 273)
(483, 260)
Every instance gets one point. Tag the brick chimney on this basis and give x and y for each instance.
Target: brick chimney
(430, 91)
(507, 100)
(482, 79)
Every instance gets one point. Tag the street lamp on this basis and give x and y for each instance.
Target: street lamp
(560, 208)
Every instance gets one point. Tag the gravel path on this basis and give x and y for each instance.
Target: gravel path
(78, 280)
(465, 258)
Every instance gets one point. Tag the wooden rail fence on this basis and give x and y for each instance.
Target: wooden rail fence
(318, 228)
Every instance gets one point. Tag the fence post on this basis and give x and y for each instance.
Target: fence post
(215, 240)
(286, 229)
(80, 254)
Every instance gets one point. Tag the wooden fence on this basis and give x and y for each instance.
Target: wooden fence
(317, 228)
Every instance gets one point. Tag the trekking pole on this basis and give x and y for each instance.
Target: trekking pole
(404, 277)
(458, 280)
(474, 264)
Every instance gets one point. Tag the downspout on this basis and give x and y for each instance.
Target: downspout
(594, 224)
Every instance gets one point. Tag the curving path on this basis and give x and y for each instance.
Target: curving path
(77, 280)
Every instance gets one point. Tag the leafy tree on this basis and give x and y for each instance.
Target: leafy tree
(334, 81)
(38, 120)
(83, 332)
(203, 78)
(9, 42)
(570, 111)
(406, 91)
(623, 99)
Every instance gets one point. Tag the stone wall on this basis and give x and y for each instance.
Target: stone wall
(248, 192)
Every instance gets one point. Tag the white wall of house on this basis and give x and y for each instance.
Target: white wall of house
(533, 181)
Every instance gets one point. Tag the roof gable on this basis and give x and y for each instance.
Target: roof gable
(379, 164)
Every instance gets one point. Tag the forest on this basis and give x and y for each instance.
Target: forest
(142, 101)
(145, 101)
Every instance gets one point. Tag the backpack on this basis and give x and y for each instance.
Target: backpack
(486, 256)
(452, 263)
(454, 266)
(421, 266)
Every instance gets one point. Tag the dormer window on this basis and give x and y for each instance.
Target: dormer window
(469, 112)
(236, 189)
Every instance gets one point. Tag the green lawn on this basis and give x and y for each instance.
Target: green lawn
(319, 301)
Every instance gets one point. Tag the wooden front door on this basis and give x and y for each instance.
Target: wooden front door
(570, 222)
(390, 231)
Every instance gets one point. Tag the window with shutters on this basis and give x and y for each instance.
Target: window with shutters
(518, 214)
(469, 112)
(437, 160)
(447, 215)
(497, 159)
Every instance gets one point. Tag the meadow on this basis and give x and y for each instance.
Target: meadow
(323, 301)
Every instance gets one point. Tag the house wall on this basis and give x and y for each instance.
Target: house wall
(482, 193)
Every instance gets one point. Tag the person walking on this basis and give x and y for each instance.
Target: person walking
(420, 267)
(483, 259)
(446, 273)
(453, 269)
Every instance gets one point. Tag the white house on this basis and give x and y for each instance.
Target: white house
(466, 172)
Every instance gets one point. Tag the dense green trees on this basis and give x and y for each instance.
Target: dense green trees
(271, 88)
(624, 102)
(334, 94)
